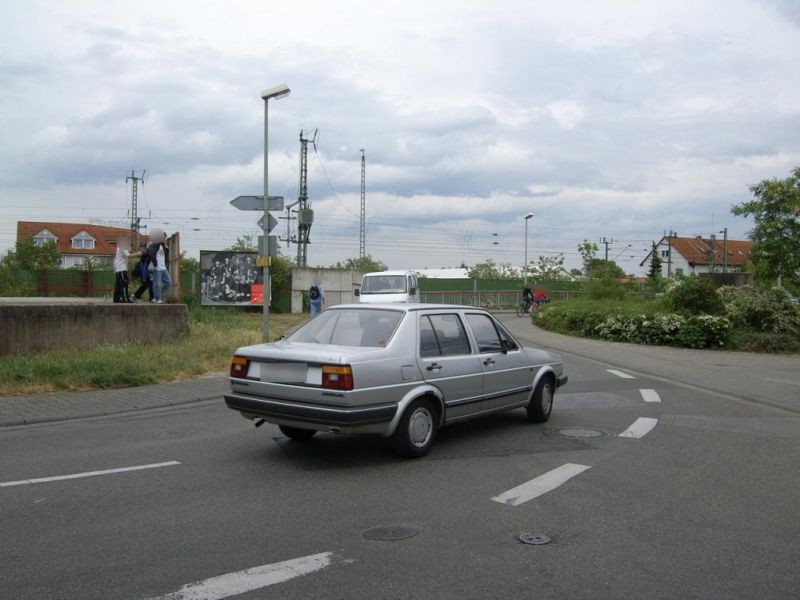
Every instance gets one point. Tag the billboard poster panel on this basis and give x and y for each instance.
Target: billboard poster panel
(227, 278)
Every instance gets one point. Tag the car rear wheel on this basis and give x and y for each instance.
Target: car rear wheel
(541, 403)
(295, 433)
(416, 431)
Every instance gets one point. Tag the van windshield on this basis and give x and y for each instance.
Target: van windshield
(384, 284)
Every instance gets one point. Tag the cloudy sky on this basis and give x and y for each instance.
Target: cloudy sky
(616, 120)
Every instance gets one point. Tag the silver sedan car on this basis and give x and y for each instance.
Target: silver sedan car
(397, 370)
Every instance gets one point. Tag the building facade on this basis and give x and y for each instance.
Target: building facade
(687, 255)
(79, 243)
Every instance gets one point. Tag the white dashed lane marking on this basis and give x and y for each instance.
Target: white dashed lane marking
(650, 396)
(640, 428)
(541, 485)
(88, 474)
(621, 374)
(239, 582)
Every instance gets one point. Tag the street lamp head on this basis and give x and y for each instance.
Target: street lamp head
(528, 216)
(279, 91)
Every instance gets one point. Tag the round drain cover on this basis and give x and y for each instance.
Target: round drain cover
(580, 432)
(534, 539)
(390, 533)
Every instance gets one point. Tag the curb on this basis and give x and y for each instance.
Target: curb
(60, 418)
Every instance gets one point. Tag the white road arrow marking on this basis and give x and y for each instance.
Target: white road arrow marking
(541, 485)
(640, 428)
(233, 584)
(621, 374)
(650, 396)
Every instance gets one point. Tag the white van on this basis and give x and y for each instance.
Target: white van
(389, 286)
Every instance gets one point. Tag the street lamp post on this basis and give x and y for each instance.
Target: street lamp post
(279, 91)
(525, 272)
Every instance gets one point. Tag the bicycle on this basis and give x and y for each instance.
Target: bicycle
(525, 307)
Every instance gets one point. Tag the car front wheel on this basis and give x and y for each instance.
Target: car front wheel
(295, 433)
(541, 403)
(416, 430)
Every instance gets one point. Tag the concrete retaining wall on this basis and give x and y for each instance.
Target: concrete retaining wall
(26, 328)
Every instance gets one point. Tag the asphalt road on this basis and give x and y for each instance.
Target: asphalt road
(647, 485)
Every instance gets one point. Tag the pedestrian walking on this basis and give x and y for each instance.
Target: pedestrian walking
(316, 298)
(159, 251)
(121, 280)
(142, 271)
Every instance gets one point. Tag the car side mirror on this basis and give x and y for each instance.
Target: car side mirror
(412, 291)
(356, 292)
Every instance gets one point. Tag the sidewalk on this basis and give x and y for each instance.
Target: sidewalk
(767, 379)
(43, 408)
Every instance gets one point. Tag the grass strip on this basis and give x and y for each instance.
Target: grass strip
(207, 348)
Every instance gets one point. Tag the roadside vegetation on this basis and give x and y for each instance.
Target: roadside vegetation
(690, 313)
(213, 336)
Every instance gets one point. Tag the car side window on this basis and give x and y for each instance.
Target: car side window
(485, 333)
(509, 343)
(442, 335)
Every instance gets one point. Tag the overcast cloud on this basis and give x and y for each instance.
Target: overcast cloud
(607, 119)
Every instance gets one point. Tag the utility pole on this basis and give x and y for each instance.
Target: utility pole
(362, 247)
(606, 243)
(135, 207)
(713, 254)
(305, 216)
(669, 253)
(725, 250)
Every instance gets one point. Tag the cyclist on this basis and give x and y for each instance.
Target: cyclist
(527, 297)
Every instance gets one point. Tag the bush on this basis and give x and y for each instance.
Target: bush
(694, 296)
(771, 311)
(758, 341)
(701, 331)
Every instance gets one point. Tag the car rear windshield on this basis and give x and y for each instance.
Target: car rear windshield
(350, 327)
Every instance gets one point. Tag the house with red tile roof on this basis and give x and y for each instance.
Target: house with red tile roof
(77, 241)
(687, 255)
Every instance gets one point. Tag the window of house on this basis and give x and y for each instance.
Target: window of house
(679, 272)
(44, 236)
(83, 241)
(664, 253)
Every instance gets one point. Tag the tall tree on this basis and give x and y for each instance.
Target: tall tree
(654, 274)
(28, 255)
(549, 268)
(245, 243)
(776, 235)
(588, 251)
(366, 264)
(491, 270)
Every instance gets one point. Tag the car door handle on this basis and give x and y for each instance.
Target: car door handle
(489, 361)
(435, 367)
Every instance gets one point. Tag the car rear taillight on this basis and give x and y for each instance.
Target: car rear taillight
(239, 366)
(337, 377)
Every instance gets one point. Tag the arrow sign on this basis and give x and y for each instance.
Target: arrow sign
(271, 222)
(257, 202)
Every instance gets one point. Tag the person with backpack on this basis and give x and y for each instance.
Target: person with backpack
(316, 298)
(143, 272)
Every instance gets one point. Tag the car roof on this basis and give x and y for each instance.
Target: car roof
(406, 307)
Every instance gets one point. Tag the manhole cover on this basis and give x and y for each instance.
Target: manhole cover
(534, 539)
(389, 534)
(580, 433)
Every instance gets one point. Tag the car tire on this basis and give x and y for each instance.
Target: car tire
(295, 433)
(541, 403)
(416, 430)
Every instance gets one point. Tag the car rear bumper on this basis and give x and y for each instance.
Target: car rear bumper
(362, 419)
